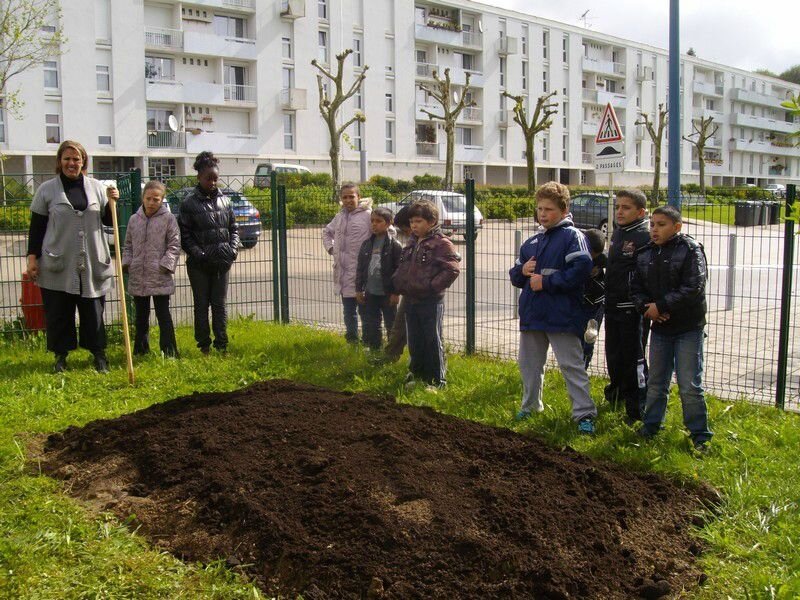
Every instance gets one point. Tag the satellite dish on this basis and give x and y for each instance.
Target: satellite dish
(172, 122)
(480, 26)
(455, 96)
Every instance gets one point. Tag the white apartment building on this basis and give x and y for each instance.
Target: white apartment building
(237, 78)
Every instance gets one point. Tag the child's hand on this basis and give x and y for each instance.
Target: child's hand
(537, 283)
(360, 297)
(394, 299)
(653, 314)
(529, 267)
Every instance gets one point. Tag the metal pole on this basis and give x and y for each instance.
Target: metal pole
(276, 291)
(470, 237)
(283, 255)
(610, 215)
(364, 166)
(786, 297)
(674, 143)
(517, 291)
(730, 291)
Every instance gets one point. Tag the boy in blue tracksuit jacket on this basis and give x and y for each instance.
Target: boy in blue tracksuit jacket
(552, 268)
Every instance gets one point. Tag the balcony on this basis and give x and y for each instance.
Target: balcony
(439, 35)
(763, 123)
(698, 112)
(505, 117)
(244, 4)
(605, 67)
(472, 39)
(590, 128)
(743, 95)
(293, 99)
(708, 89)
(240, 94)
(190, 92)
(471, 114)
(211, 44)
(714, 142)
(160, 38)
(587, 158)
(425, 70)
(458, 76)
(222, 143)
(602, 98)
(713, 166)
(463, 153)
(507, 45)
(779, 171)
(429, 149)
(435, 108)
(172, 140)
(293, 9)
(644, 73)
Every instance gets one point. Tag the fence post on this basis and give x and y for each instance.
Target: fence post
(730, 290)
(786, 297)
(470, 238)
(276, 292)
(128, 208)
(515, 290)
(284, 261)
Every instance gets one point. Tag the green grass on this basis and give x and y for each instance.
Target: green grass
(716, 213)
(52, 548)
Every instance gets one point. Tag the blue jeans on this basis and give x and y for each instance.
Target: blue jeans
(351, 310)
(425, 342)
(682, 353)
(375, 309)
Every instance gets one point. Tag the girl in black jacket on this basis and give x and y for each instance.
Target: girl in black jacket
(210, 238)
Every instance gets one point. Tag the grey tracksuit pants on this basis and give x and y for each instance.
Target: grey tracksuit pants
(533, 346)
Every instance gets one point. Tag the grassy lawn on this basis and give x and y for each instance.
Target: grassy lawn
(716, 213)
(52, 548)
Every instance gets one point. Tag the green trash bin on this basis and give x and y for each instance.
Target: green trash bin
(745, 214)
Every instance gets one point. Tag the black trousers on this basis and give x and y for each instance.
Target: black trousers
(166, 337)
(377, 308)
(209, 289)
(626, 336)
(59, 311)
(425, 341)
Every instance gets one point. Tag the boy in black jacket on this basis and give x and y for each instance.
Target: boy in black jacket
(594, 293)
(626, 332)
(377, 262)
(668, 287)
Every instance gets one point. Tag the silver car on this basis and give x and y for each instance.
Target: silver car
(452, 210)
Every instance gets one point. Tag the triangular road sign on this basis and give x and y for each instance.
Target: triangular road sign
(609, 130)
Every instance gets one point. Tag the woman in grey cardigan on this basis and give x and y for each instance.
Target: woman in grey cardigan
(68, 255)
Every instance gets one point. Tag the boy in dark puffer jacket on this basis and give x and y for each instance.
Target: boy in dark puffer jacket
(428, 266)
(668, 287)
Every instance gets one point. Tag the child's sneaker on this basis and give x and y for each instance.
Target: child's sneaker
(700, 446)
(409, 381)
(590, 335)
(522, 415)
(586, 426)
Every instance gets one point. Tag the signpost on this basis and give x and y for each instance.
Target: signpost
(609, 156)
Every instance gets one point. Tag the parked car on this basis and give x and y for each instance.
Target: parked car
(263, 170)
(590, 211)
(776, 189)
(452, 210)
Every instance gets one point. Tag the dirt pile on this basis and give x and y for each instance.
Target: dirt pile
(335, 495)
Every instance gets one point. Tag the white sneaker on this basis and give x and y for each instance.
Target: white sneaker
(590, 335)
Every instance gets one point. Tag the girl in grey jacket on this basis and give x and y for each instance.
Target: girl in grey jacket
(152, 248)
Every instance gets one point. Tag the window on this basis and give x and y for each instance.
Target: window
(322, 38)
(468, 62)
(52, 129)
(389, 102)
(545, 145)
(322, 9)
(524, 75)
(357, 136)
(565, 49)
(464, 136)
(51, 74)
(545, 43)
(502, 72)
(389, 137)
(544, 81)
(103, 78)
(638, 154)
(419, 15)
(564, 114)
(229, 26)
(389, 54)
(564, 148)
(156, 67)
(357, 59)
(104, 140)
(288, 131)
(286, 47)
(524, 38)
(287, 78)
(358, 99)
(502, 143)
(158, 118)
(161, 168)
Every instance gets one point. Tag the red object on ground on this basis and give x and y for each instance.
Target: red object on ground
(32, 306)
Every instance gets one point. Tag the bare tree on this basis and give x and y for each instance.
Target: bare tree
(656, 133)
(452, 104)
(329, 109)
(698, 138)
(540, 121)
(30, 33)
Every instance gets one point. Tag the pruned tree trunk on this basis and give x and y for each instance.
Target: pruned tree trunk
(656, 133)
(531, 160)
(450, 157)
(703, 134)
(541, 121)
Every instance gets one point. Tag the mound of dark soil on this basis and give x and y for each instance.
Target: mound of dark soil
(335, 495)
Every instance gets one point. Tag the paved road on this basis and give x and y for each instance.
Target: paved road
(744, 299)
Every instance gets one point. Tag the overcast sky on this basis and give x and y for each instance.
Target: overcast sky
(748, 34)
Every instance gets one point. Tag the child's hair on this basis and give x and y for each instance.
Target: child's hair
(401, 219)
(384, 213)
(205, 160)
(556, 192)
(635, 196)
(425, 209)
(672, 213)
(154, 184)
(596, 240)
(349, 186)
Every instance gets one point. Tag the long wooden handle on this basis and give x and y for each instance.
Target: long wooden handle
(121, 293)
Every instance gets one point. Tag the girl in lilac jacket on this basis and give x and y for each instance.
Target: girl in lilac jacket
(152, 248)
(342, 239)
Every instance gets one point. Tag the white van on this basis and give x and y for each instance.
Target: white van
(452, 210)
(261, 179)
